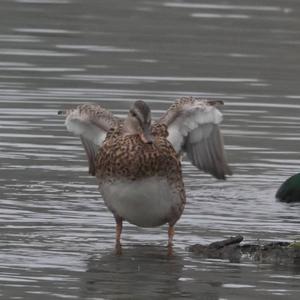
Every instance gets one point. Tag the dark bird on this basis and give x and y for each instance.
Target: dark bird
(289, 191)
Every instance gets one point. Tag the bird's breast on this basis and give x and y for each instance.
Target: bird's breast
(128, 157)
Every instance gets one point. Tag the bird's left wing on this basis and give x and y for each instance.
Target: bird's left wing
(193, 126)
(90, 122)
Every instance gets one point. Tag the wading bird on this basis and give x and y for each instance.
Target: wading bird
(137, 161)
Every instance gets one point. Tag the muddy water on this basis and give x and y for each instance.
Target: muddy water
(56, 236)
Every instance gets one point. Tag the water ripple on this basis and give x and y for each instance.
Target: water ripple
(57, 236)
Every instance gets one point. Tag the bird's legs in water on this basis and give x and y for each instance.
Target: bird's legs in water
(119, 226)
(171, 231)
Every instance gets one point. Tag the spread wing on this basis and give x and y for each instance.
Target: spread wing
(91, 123)
(193, 126)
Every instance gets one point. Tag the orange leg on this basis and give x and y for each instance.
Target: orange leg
(171, 231)
(119, 226)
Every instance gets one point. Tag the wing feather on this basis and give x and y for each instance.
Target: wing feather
(193, 129)
(91, 123)
(91, 152)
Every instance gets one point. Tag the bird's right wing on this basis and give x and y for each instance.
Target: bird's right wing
(91, 123)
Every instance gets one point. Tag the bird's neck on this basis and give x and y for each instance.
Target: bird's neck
(129, 128)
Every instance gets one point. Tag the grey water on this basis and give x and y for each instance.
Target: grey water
(56, 235)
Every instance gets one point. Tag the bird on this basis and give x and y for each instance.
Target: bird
(137, 160)
(289, 191)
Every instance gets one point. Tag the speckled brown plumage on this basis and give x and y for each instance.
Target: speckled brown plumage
(95, 113)
(127, 157)
(177, 107)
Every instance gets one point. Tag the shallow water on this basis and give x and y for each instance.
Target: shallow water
(57, 237)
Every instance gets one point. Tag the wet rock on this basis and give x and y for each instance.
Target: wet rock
(225, 249)
(275, 252)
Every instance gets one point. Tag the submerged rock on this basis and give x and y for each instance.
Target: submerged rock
(289, 191)
(274, 252)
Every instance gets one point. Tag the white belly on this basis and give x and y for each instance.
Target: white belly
(147, 202)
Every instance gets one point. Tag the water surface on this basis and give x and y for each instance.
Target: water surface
(57, 236)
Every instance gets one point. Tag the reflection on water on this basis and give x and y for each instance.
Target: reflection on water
(57, 236)
(146, 266)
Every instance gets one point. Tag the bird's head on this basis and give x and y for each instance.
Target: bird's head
(139, 121)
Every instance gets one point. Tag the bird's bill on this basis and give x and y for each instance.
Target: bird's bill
(146, 136)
